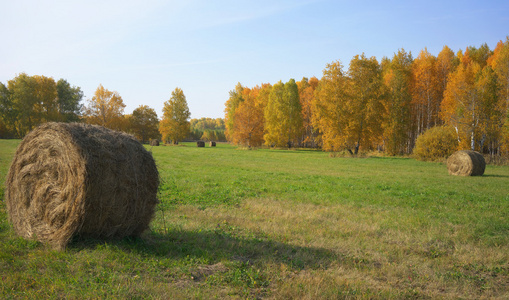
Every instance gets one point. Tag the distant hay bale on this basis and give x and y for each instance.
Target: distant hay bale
(154, 143)
(212, 144)
(200, 144)
(78, 179)
(466, 163)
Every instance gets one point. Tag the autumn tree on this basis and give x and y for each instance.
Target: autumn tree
(22, 104)
(249, 117)
(45, 93)
(446, 63)
(283, 119)
(425, 92)
(499, 62)
(175, 125)
(231, 106)
(363, 111)
(28, 101)
(307, 89)
(144, 123)
(472, 104)
(328, 106)
(106, 108)
(397, 122)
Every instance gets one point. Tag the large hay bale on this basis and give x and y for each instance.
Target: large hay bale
(466, 163)
(200, 144)
(78, 179)
(212, 144)
(154, 142)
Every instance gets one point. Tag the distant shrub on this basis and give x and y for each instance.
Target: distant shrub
(436, 143)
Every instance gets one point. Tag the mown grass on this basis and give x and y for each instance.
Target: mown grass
(285, 224)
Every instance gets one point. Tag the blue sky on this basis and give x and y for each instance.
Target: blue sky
(145, 49)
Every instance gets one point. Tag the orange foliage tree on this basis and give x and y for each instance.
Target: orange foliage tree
(472, 104)
(249, 116)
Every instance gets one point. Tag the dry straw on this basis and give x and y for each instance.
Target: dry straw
(200, 144)
(78, 179)
(212, 144)
(466, 163)
(154, 143)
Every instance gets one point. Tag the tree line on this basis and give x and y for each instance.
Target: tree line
(382, 105)
(28, 101)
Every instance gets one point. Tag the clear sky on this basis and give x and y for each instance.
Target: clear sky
(145, 49)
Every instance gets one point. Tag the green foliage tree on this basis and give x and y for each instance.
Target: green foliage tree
(198, 128)
(7, 114)
(23, 104)
(283, 115)
(175, 125)
(28, 101)
(144, 123)
(69, 101)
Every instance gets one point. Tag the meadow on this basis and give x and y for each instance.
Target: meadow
(282, 224)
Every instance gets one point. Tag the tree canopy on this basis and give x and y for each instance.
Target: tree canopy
(174, 126)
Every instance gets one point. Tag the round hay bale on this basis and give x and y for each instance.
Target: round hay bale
(466, 163)
(212, 144)
(154, 143)
(200, 144)
(78, 179)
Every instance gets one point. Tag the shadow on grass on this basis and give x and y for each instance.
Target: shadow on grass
(216, 245)
(495, 175)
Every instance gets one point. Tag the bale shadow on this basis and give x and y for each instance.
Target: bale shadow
(217, 245)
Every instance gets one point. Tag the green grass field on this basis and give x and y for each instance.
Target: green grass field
(285, 224)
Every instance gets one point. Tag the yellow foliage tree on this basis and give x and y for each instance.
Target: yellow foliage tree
(328, 106)
(397, 122)
(106, 108)
(283, 119)
(175, 125)
(364, 109)
(306, 95)
(231, 106)
(425, 92)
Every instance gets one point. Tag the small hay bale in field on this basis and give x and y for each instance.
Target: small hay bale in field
(466, 163)
(78, 179)
(212, 144)
(154, 143)
(200, 144)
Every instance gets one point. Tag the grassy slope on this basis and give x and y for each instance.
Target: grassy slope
(279, 224)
